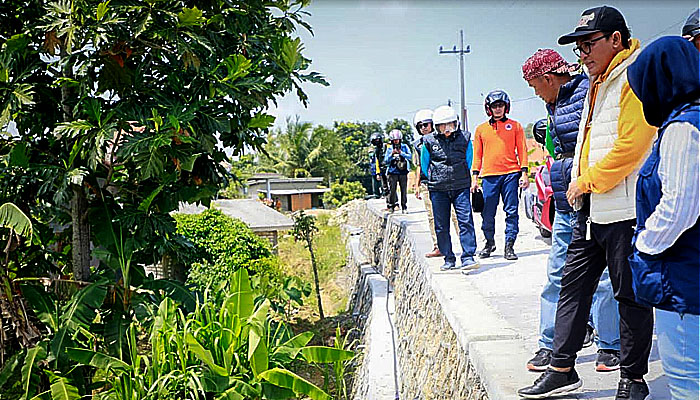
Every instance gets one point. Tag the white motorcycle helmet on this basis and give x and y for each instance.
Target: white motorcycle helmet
(422, 117)
(445, 115)
(395, 134)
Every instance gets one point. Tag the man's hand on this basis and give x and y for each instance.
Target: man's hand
(574, 193)
(524, 182)
(416, 189)
(475, 183)
(395, 151)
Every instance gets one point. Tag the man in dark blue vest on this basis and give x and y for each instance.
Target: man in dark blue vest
(550, 76)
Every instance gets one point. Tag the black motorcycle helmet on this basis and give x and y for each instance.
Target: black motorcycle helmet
(692, 25)
(377, 138)
(539, 131)
(495, 96)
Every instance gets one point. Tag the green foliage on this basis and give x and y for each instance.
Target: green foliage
(302, 151)
(222, 245)
(355, 140)
(241, 169)
(342, 193)
(22, 331)
(295, 261)
(12, 217)
(227, 347)
(341, 363)
(122, 104)
(304, 231)
(402, 125)
(304, 228)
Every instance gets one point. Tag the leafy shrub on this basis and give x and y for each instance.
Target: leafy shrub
(226, 346)
(345, 192)
(222, 245)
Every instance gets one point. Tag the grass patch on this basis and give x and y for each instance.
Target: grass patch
(331, 257)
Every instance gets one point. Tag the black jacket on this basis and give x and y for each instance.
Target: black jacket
(444, 161)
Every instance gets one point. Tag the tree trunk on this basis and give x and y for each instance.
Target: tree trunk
(318, 286)
(81, 235)
(79, 203)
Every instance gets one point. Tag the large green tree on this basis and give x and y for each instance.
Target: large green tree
(355, 140)
(114, 109)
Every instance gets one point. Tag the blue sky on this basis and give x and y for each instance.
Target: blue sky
(381, 57)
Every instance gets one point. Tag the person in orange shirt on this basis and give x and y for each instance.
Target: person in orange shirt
(500, 158)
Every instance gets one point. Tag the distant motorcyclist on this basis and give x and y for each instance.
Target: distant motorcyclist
(377, 165)
(397, 158)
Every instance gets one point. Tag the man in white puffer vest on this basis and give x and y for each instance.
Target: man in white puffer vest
(613, 140)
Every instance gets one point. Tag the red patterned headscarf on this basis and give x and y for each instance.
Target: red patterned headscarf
(545, 61)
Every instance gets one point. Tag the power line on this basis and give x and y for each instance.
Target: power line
(657, 34)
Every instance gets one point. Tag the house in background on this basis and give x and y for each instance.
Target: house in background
(293, 193)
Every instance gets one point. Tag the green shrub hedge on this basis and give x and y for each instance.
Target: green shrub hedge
(342, 193)
(221, 246)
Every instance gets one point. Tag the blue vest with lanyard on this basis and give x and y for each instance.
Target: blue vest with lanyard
(669, 280)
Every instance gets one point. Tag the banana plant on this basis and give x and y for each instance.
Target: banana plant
(24, 332)
(227, 348)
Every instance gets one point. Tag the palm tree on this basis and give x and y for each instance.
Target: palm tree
(302, 151)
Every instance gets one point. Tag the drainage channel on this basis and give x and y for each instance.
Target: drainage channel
(381, 362)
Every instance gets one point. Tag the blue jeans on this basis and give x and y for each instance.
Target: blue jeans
(604, 313)
(505, 186)
(679, 352)
(442, 203)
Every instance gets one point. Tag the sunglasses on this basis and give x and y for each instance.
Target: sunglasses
(422, 125)
(586, 47)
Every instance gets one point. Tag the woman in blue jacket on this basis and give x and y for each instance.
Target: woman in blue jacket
(666, 259)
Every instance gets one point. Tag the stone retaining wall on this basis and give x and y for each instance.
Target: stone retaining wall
(432, 362)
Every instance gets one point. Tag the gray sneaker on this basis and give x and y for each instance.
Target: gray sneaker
(448, 266)
(469, 265)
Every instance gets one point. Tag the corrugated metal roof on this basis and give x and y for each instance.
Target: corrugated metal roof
(253, 213)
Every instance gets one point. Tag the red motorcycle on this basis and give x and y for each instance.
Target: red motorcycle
(539, 203)
(543, 206)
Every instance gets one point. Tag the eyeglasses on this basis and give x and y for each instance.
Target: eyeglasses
(422, 125)
(586, 47)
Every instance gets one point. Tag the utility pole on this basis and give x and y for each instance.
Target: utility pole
(461, 52)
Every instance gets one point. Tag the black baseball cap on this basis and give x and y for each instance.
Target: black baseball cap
(692, 25)
(598, 19)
